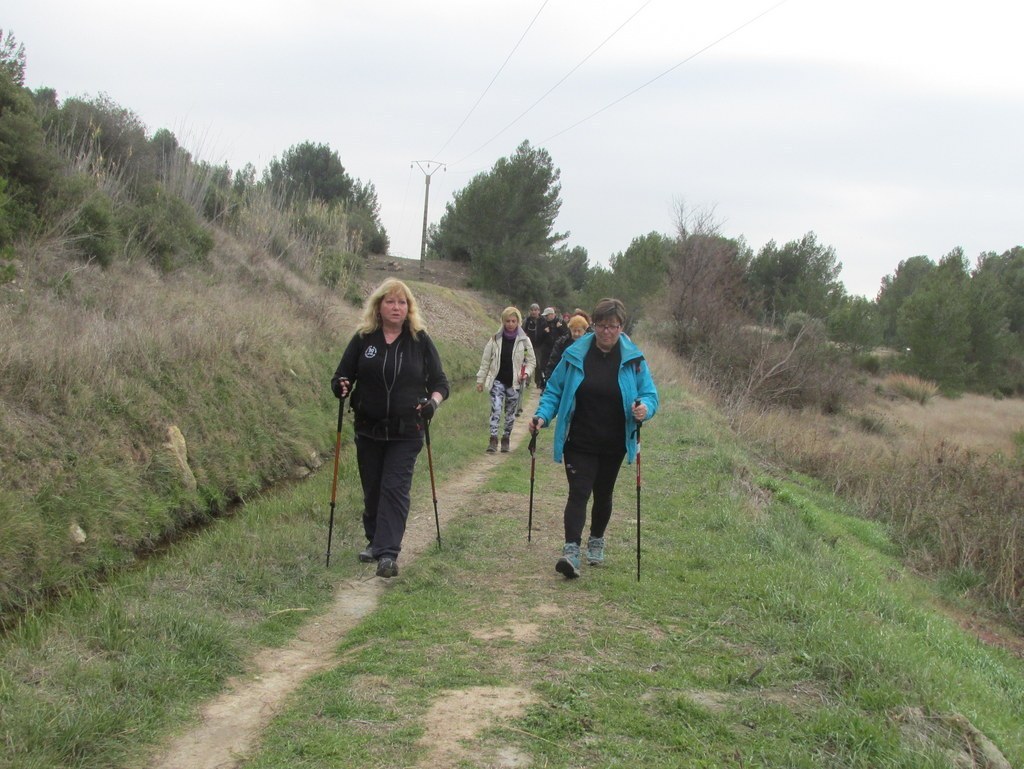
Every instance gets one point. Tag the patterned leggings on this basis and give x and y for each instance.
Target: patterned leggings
(507, 397)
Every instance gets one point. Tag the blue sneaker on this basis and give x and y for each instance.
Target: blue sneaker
(569, 563)
(595, 551)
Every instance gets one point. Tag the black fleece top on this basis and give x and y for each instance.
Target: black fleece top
(389, 380)
(598, 422)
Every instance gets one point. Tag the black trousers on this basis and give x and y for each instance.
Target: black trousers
(589, 474)
(542, 361)
(385, 470)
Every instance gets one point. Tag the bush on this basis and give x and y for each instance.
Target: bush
(869, 363)
(102, 128)
(379, 242)
(336, 266)
(96, 229)
(7, 269)
(749, 364)
(915, 388)
(797, 323)
(166, 229)
(27, 166)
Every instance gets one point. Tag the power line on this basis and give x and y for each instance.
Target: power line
(496, 74)
(552, 88)
(667, 71)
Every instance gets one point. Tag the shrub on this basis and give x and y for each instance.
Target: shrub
(336, 266)
(379, 243)
(748, 364)
(872, 423)
(869, 363)
(219, 201)
(27, 166)
(95, 230)
(797, 323)
(7, 269)
(912, 387)
(102, 127)
(166, 229)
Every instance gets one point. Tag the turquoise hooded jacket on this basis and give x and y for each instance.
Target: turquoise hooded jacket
(559, 399)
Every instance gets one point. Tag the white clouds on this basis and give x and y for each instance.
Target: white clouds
(889, 129)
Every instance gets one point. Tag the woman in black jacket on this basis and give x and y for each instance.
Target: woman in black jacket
(578, 325)
(394, 374)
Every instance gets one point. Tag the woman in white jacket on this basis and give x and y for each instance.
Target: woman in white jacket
(507, 365)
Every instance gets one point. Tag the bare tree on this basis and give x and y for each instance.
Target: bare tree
(706, 287)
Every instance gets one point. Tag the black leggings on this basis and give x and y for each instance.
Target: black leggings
(589, 474)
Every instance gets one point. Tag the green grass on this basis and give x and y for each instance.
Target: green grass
(768, 629)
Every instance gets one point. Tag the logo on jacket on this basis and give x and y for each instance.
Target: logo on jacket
(371, 352)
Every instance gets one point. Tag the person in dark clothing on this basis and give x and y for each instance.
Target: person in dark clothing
(531, 325)
(578, 324)
(393, 371)
(598, 395)
(506, 366)
(551, 328)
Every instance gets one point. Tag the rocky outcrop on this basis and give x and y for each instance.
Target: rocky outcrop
(179, 452)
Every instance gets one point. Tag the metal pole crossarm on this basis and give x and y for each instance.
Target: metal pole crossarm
(427, 167)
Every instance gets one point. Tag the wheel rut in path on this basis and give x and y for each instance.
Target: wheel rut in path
(230, 725)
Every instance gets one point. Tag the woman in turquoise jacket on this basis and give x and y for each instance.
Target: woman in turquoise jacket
(598, 394)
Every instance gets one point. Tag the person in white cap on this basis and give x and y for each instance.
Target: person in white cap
(552, 326)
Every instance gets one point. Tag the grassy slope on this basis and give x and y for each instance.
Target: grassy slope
(768, 630)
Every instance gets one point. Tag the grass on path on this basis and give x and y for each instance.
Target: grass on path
(768, 630)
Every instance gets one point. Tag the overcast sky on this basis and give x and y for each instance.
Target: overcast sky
(890, 128)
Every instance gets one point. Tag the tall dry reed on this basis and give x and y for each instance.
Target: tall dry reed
(950, 508)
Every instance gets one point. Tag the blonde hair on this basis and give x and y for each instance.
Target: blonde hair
(578, 323)
(510, 312)
(371, 310)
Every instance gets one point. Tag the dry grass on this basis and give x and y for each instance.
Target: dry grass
(944, 474)
(915, 388)
(953, 507)
(974, 422)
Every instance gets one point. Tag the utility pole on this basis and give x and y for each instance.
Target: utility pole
(427, 167)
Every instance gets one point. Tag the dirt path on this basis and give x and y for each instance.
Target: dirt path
(231, 725)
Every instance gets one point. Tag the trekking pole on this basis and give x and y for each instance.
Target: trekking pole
(334, 482)
(638, 424)
(430, 463)
(533, 467)
(523, 384)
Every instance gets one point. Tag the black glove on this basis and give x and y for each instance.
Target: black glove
(427, 408)
(336, 387)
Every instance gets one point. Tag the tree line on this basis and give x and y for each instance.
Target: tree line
(86, 173)
(776, 322)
